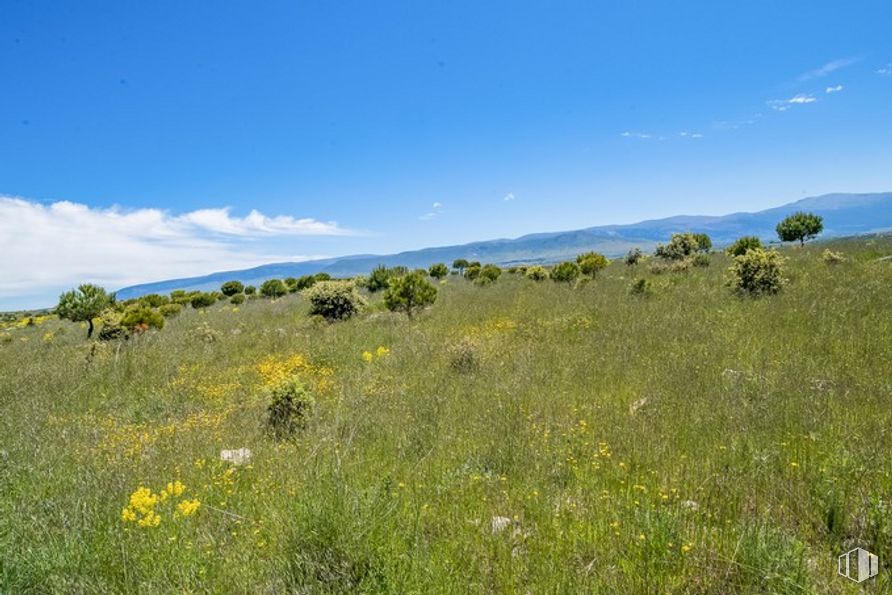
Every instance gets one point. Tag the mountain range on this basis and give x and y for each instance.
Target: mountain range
(844, 215)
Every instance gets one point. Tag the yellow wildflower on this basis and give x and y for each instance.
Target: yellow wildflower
(188, 507)
(382, 351)
(367, 356)
(686, 548)
(127, 515)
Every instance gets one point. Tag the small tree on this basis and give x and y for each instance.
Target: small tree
(438, 271)
(591, 262)
(489, 274)
(565, 272)
(634, 256)
(84, 304)
(704, 242)
(461, 264)
(472, 271)
(322, 277)
(679, 247)
(305, 282)
(230, 288)
(273, 288)
(203, 300)
(142, 317)
(742, 245)
(410, 294)
(250, 290)
(800, 227)
(379, 279)
(757, 272)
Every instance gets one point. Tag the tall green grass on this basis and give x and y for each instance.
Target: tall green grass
(686, 441)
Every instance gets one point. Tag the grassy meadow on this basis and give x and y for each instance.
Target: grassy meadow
(521, 437)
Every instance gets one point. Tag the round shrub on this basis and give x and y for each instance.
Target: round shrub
(237, 299)
(203, 300)
(464, 356)
(537, 273)
(334, 300)
(170, 310)
(591, 262)
(142, 318)
(641, 287)
(410, 293)
(742, 245)
(634, 256)
(489, 274)
(289, 405)
(230, 288)
(831, 257)
(565, 272)
(273, 288)
(679, 247)
(438, 271)
(757, 272)
(250, 290)
(154, 300)
(379, 279)
(700, 260)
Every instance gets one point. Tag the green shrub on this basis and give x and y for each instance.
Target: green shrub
(460, 264)
(464, 356)
(565, 272)
(170, 310)
(679, 247)
(154, 300)
(84, 304)
(537, 273)
(250, 290)
(831, 257)
(634, 256)
(379, 279)
(203, 300)
(641, 287)
(742, 245)
(704, 242)
(289, 405)
(473, 271)
(489, 274)
(438, 271)
(410, 294)
(334, 300)
(142, 318)
(305, 282)
(237, 299)
(230, 288)
(273, 288)
(110, 327)
(591, 262)
(757, 272)
(322, 277)
(700, 260)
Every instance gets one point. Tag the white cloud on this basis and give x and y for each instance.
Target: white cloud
(49, 248)
(428, 216)
(834, 89)
(885, 70)
(509, 197)
(628, 134)
(686, 134)
(827, 68)
(783, 105)
(438, 205)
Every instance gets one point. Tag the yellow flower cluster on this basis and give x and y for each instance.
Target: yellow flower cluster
(143, 507)
(368, 356)
(274, 370)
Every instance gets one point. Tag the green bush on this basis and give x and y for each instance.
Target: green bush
(154, 300)
(591, 262)
(537, 273)
(334, 300)
(641, 287)
(84, 304)
(700, 260)
(110, 327)
(679, 247)
(438, 271)
(742, 245)
(704, 242)
(634, 256)
(250, 290)
(831, 257)
(464, 356)
(565, 272)
(489, 274)
(757, 272)
(322, 277)
(170, 310)
(273, 288)
(409, 294)
(305, 282)
(237, 299)
(289, 405)
(473, 271)
(203, 300)
(379, 279)
(142, 318)
(230, 288)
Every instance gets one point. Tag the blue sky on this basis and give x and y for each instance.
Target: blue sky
(134, 126)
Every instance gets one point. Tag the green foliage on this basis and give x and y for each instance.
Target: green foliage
(250, 290)
(536, 273)
(170, 310)
(757, 272)
(591, 262)
(800, 227)
(290, 404)
(679, 247)
(273, 288)
(700, 260)
(110, 327)
(742, 245)
(565, 272)
(704, 242)
(83, 304)
(438, 271)
(379, 279)
(154, 300)
(142, 318)
(230, 288)
(831, 257)
(634, 256)
(410, 294)
(460, 264)
(489, 273)
(322, 277)
(641, 287)
(305, 282)
(237, 299)
(203, 300)
(464, 356)
(334, 300)
(473, 271)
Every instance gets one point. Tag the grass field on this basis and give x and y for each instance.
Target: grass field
(690, 441)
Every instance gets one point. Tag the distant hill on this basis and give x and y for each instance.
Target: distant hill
(844, 215)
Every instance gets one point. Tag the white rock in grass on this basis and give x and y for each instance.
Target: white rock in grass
(236, 457)
(634, 407)
(690, 504)
(500, 523)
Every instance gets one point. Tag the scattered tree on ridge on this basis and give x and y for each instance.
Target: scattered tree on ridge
(461, 264)
(230, 288)
(438, 271)
(800, 227)
(273, 288)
